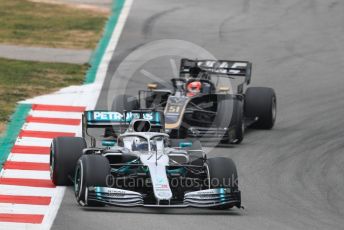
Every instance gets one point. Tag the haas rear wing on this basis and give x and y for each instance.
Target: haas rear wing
(218, 67)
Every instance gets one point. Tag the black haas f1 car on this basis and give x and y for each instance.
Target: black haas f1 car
(203, 103)
(142, 166)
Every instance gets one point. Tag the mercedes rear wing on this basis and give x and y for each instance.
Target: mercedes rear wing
(217, 67)
(103, 118)
(116, 123)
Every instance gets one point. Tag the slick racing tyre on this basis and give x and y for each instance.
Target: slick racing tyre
(261, 102)
(235, 121)
(91, 170)
(222, 173)
(64, 153)
(238, 122)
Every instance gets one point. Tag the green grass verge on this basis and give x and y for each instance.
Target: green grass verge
(20, 80)
(41, 24)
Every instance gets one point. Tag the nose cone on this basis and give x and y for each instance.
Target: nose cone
(157, 169)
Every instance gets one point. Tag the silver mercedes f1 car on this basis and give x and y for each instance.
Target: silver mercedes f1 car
(141, 166)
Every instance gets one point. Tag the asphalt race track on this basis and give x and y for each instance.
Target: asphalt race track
(292, 176)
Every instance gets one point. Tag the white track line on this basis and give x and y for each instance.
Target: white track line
(32, 141)
(23, 208)
(53, 207)
(15, 226)
(49, 127)
(55, 114)
(27, 191)
(27, 174)
(38, 158)
(105, 62)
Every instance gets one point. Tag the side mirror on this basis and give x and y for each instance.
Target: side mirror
(108, 143)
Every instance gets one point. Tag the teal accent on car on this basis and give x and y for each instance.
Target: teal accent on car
(222, 195)
(124, 169)
(106, 117)
(109, 143)
(176, 171)
(185, 144)
(98, 192)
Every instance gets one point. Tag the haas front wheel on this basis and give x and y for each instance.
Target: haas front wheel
(260, 102)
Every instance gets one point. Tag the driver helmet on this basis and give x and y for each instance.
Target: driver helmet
(194, 88)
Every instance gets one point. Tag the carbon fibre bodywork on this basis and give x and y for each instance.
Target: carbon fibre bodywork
(210, 113)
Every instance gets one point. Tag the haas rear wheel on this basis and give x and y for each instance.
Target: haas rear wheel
(64, 153)
(261, 102)
(91, 170)
(238, 122)
(231, 114)
(222, 173)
